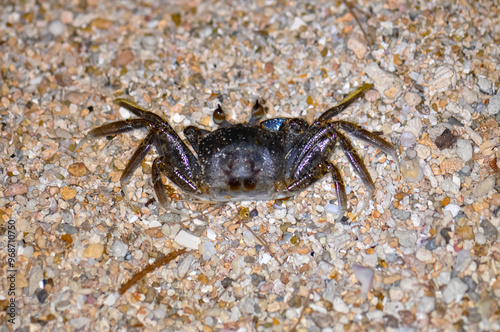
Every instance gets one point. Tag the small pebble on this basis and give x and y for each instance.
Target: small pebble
(79, 323)
(490, 230)
(279, 213)
(56, 28)
(495, 199)
(407, 238)
(448, 186)
(27, 251)
(444, 77)
(16, 189)
(423, 152)
(211, 234)
(77, 169)
(187, 240)
(426, 304)
(357, 44)
(407, 139)
(464, 149)
(340, 306)
(443, 278)
(365, 275)
(454, 291)
(412, 98)
(445, 140)
(494, 105)
(386, 83)
(484, 187)
(208, 250)
(124, 58)
(94, 250)
(119, 249)
(485, 85)
(470, 96)
(332, 208)
(424, 255)
(453, 208)
(149, 42)
(184, 265)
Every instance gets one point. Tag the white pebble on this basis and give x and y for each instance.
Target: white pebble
(365, 276)
(208, 250)
(211, 234)
(408, 139)
(453, 208)
(494, 105)
(119, 249)
(56, 28)
(279, 213)
(464, 149)
(332, 208)
(187, 240)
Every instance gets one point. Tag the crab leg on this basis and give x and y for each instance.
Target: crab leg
(348, 100)
(310, 177)
(173, 174)
(317, 173)
(340, 191)
(369, 138)
(315, 145)
(135, 161)
(358, 165)
(119, 127)
(159, 188)
(139, 111)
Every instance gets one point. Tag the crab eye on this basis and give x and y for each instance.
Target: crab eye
(234, 184)
(249, 184)
(219, 115)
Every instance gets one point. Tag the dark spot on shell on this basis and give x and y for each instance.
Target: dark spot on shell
(249, 184)
(234, 184)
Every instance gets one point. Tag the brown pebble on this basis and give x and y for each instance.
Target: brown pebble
(154, 233)
(16, 189)
(465, 232)
(495, 199)
(68, 193)
(77, 98)
(94, 250)
(452, 165)
(124, 58)
(269, 67)
(101, 23)
(445, 140)
(77, 169)
(64, 79)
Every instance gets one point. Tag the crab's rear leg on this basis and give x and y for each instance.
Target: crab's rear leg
(317, 173)
(359, 167)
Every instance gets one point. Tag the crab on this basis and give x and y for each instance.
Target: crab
(257, 160)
